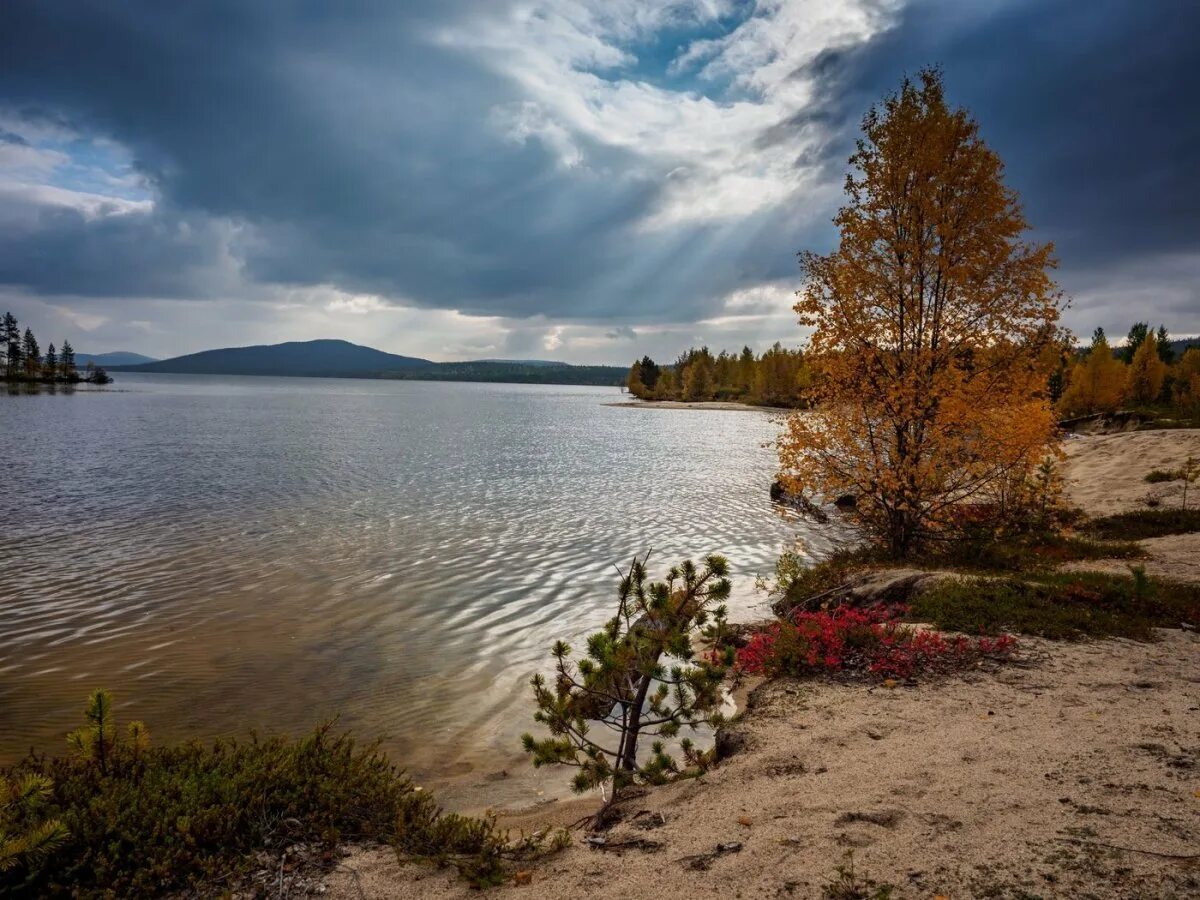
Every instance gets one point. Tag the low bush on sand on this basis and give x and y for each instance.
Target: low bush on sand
(120, 818)
(1062, 605)
(870, 641)
(1146, 523)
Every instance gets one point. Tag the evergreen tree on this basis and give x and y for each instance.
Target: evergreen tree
(1165, 353)
(50, 363)
(625, 686)
(10, 338)
(650, 373)
(67, 359)
(31, 353)
(1136, 335)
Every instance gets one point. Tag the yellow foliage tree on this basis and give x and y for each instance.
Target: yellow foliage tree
(1146, 371)
(929, 321)
(1095, 384)
(1187, 378)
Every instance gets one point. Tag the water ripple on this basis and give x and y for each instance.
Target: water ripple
(232, 554)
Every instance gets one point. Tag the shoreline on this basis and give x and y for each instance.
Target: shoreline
(725, 405)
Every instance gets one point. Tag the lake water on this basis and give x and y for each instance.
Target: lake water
(228, 554)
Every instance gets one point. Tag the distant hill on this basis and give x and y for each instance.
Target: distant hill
(341, 359)
(115, 358)
(1180, 345)
(324, 358)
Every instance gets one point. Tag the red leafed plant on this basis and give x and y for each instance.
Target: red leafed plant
(869, 640)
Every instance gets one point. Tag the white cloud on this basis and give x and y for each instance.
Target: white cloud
(568, 59)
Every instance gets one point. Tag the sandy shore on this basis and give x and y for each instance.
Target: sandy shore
(996, 785)
(708, 404)
(1106, 474)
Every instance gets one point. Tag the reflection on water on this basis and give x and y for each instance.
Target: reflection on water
(228, 554)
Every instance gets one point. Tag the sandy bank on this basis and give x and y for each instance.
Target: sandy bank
(990, 785)
(1106, 474)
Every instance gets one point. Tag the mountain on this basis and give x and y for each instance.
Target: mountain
(341, 359)
(323, 358)
(115, 358)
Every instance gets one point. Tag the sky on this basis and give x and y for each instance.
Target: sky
(583, 180)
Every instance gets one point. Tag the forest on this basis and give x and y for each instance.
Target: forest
(1145, 372)
(22, 359)
(778, 377)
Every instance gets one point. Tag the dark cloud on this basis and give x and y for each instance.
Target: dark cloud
(1091, 105)
(341, 144)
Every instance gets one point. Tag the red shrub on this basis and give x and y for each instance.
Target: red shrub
(861, 640)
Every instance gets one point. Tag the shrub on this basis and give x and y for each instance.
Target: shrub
(1146, 523)
(869, 641)
(1158, 476)
(1063, 605)
(141, 821)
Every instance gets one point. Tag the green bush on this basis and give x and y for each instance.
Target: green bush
(141, 821)
(1146, 523)
(1060, 605)
(1158, 476)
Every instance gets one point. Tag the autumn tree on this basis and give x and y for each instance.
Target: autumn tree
(634, 381)
(929, 320)
(1146, 371)
(1096, 383)
(1187, 378)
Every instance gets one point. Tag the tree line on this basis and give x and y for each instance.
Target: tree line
(23, 359)
(778, 377)
(1144, 372)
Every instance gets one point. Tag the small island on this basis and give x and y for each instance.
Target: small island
(24, 363)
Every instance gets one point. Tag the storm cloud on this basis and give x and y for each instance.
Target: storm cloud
(586, 179)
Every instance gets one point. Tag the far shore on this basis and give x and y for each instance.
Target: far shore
(729, 405)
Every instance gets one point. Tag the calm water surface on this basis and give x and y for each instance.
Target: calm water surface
(228, 554)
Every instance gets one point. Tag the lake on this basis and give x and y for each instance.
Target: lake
(230, 554)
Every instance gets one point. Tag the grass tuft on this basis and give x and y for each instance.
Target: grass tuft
(1146, 523)
(1062, 605)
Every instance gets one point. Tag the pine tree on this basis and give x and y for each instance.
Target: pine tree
(31, 353)
(1165, 353)
(10, 338)
(624, 686)
(67, 359)
(50, 363)
(1134, 339)
(650, 373)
